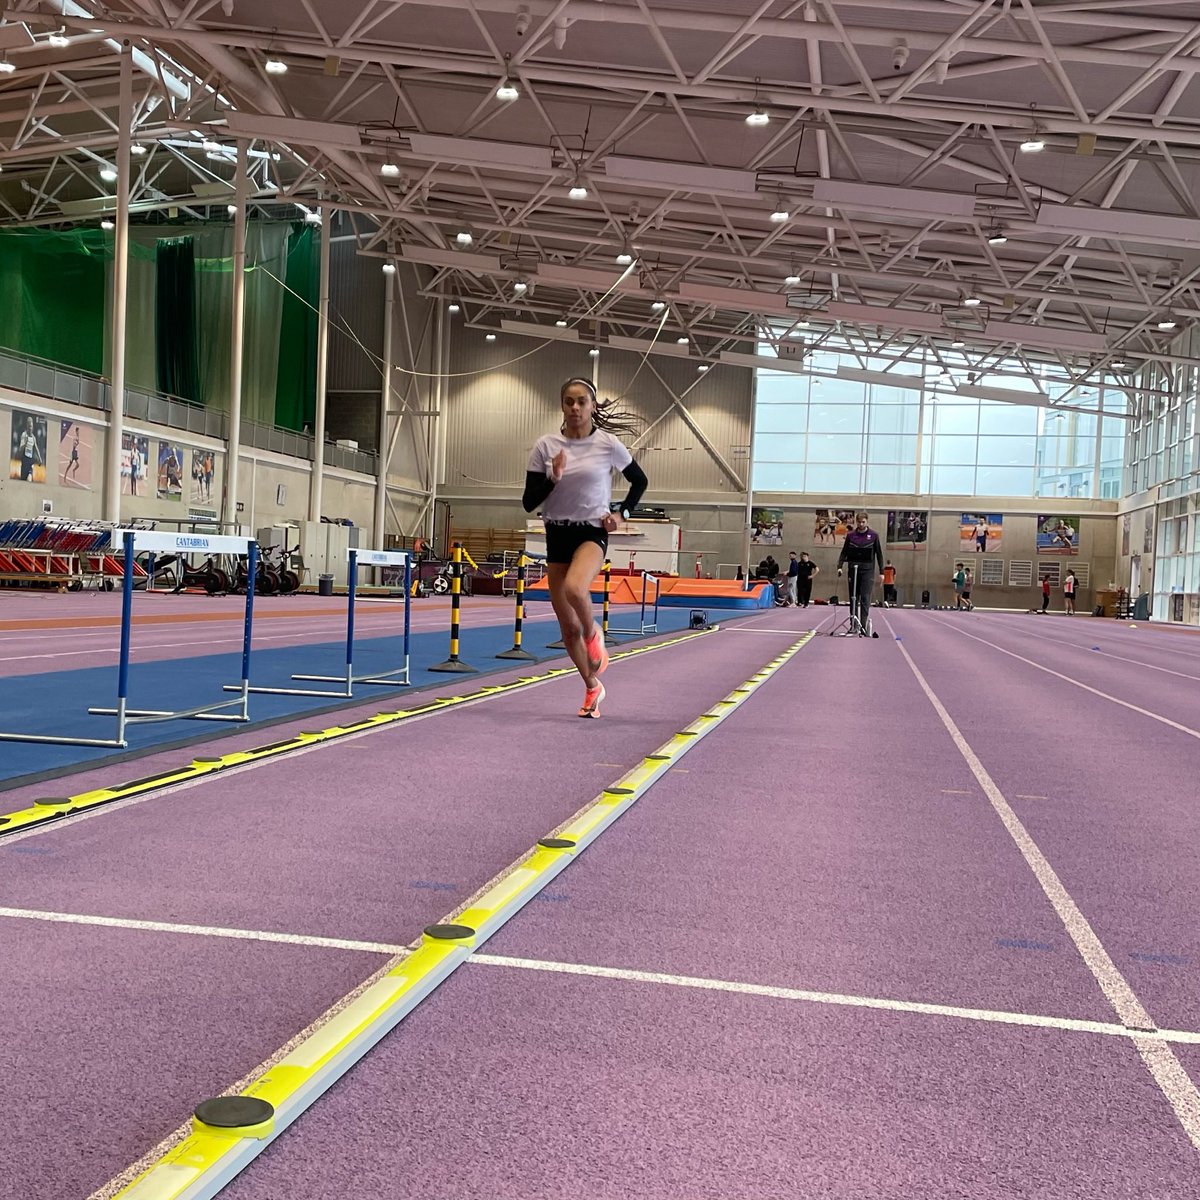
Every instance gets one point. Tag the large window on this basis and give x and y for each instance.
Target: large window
(834, 435)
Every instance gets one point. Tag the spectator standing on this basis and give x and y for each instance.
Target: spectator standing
(805, 570)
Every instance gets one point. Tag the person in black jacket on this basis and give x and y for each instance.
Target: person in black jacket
(570, 476)
(862, 552)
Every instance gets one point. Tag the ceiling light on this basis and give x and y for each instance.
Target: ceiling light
(508, 90)
(389, 170)
(312, 218)
(791, 280)
(577, 190)
(108, 174)
(6, 67)
(681, 341)
(624, 259)
(561, 323)
(231, 209)
(138, 149)
(997, 237)
(489, 337)
(799, 325)
(389, 268)
(1168, 323)
(463, 237)
(453, 307)
(1119, 364)
(957, 345)
(106, 224)
(275, 66)
(59, 39)
(1033, 145)
(658, 305)
(520, 287)
(702, 368)
(781, 213)
(972, 302)
(758, 117)
(594, 352)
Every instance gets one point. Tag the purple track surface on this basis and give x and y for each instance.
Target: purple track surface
(828, 836)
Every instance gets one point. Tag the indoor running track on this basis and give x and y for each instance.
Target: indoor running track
(896, 928)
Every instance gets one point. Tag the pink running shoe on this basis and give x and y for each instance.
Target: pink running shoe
(591, 701)
(596, 652)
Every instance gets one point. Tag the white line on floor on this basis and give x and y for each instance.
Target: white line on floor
(1137, 662)
(214, 931)
(1145, 712)
(789, 632)
(1168, 1073)
(997, 1016)
(1072, 1024)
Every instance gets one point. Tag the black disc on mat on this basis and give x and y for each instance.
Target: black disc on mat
(618, 791)
(449, 933)
(52, 801)
(234, 1112)
(551, 843)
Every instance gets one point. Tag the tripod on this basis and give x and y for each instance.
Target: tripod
(854, 625)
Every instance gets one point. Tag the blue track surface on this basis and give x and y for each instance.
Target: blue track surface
(56, 703)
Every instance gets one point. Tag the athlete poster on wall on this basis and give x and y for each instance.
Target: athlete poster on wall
(75, 455)
(1125, 523)
(170, 471)
(1057, 535)
(980, 533)
(27, 450)
(135, 464)
(766, 526)
(203, 474)
(1148, 533)
(907, 528)
(830, 525)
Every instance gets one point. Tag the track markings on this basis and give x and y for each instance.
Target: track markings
(660, 978)
(997, 1016)
(1173, 1081)
(199, 1161)
(1145, 712)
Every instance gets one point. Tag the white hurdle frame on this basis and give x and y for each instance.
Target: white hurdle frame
(359, 558)
(644, 628)
(134, 540)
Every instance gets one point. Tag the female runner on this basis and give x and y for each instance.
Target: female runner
(570, 477)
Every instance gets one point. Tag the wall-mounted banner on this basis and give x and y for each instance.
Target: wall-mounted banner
(907, 529)
(830, 525)
(170, 471)
(75, 455)
(204, 471)
(1057, 535)
(27, 452)
(1147, 529)
(135, 464)
(980, 533)
(1126, 521)
(766, 526)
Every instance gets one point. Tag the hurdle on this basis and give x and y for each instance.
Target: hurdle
(517, 652)
(454, 665)
(134, 540)
(644, 627)
(395, 678)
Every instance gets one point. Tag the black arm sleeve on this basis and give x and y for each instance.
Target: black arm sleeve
(538, 486)
(842, 557)
(637, 486)
(879, 554)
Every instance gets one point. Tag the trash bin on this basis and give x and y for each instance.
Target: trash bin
(324, 585)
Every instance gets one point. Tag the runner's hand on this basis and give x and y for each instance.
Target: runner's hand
(611, 522)
(558, 464)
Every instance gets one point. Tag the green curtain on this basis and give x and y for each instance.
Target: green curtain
(296, 391)
(175, 318)
(266, 259)
(52, 295)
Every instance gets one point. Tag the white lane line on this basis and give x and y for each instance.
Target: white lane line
(998, 1016)
(1137, 662)
(788, 632)
(213, 931)
(1145, 712)
(1173, 1081)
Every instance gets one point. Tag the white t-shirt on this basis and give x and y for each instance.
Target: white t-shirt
(585, 489)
